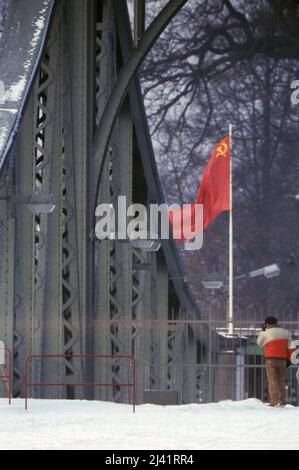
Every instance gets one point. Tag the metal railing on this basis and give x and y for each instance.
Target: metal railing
(28, 384)
(200, 359)
(8, 377)
(196, 358)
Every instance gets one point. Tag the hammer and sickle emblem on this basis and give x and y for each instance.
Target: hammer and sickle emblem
(221, 150)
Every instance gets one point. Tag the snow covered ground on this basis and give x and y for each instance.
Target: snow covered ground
(53, 424)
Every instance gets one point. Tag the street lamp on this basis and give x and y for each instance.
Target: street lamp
(146, 245)
(208, 281)
(212, 281)
(272, 270)
(143, 244)
(39, 203)
(212, 284)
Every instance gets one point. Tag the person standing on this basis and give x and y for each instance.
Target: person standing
(275, 341)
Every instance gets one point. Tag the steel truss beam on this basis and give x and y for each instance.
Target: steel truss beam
(131, 66)
(65, 292)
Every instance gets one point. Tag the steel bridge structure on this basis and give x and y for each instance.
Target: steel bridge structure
(74, 127)
(74, 134)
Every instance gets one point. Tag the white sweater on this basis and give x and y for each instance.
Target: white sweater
(272, 334)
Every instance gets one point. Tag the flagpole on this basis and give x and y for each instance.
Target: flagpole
(231, 259)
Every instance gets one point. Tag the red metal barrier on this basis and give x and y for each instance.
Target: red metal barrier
(8, 378)
(82, 384)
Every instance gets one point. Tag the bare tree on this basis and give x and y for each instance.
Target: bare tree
(224, 62)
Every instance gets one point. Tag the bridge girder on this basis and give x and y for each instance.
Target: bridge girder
(64, 292)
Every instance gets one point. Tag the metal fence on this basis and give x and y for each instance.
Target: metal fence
(198, 360)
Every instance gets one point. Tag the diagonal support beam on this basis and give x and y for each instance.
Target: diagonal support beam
(134, 60)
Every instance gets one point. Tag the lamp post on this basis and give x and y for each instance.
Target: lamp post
(146, 244)
(272, 270)
(213, 281)
(208, 281)
(39, 203)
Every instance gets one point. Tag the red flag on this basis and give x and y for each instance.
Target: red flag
(213, 192)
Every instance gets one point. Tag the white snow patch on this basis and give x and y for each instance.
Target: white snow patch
(9, 110)
(4, 129)
(15, 91)
(74, 424)
(39, 27)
